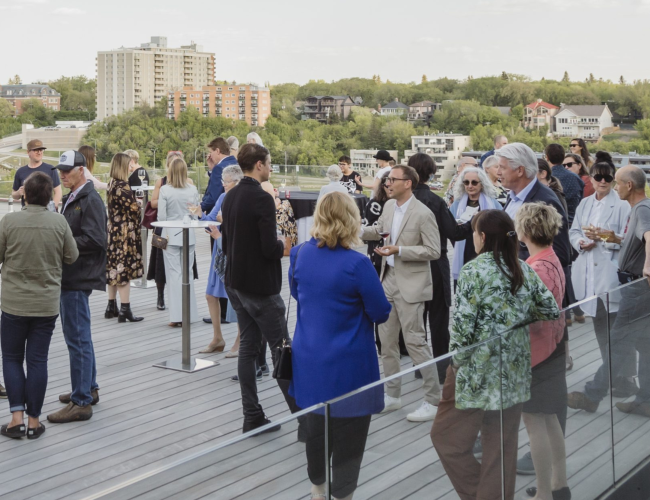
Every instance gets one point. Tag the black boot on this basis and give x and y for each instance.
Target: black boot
(161, 299)
(126, 313)
(111, 310)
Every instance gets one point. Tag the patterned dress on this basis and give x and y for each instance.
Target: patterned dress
(495, 374)
(124, 259)
(286, 222)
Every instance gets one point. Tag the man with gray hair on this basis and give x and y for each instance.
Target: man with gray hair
(631, 328)
(499, 142)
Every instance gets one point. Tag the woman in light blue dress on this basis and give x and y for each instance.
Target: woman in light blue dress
(216, 289)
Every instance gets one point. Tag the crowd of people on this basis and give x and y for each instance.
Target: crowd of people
(530, 237)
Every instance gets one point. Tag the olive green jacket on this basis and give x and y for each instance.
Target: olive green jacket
(34, 244)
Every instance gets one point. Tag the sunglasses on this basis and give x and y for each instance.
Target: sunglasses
(574, 145)
(473, 183)
(570, 164)
(606, 178)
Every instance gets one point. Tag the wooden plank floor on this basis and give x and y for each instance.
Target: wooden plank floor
(149, 418)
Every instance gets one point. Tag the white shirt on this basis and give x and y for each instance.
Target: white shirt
(398, 217)
(593, 219)
(382, 171)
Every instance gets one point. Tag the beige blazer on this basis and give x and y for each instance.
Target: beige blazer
(419, 238)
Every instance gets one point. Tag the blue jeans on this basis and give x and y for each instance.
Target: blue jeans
(630, 332)
(75, 320)
(25, 338)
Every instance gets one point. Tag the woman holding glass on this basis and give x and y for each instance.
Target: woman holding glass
(177, 199)
(595, 270)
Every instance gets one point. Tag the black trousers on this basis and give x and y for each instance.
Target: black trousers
(260, 317)
(346, 444)
(438, 316)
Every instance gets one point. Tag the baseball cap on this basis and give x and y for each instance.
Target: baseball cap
(35, 144)
(383, 155)
(71, 159)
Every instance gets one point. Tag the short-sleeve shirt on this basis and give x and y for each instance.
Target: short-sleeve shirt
(631, 258)
(23, 172)
(349, 182)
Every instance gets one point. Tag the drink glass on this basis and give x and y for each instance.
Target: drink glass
(604, 237)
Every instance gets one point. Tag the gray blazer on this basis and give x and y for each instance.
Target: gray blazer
(172, 206)
(419, 238)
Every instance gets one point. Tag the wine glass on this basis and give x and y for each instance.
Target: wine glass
(194, 206)
(604, 237)
(141, 175)
(385, 235)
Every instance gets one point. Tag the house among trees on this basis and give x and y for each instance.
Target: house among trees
(394, 108)
(586, 122)
(539, 114)
(423, 110)
(324, 107)
(17, 94)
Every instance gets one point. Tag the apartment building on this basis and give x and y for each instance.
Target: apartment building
(394, 108)
(240, 102)
(363, 161)
(324, 107)
(445, 149)
(129, 77)
(17, 94)
(538, 114)
(585, 122)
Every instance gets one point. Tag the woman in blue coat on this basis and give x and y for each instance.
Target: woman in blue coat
(339, 297)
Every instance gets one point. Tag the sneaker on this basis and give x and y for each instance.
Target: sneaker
(66, 398)
(425, 412)
(478, 448)
(265, 370)
(259, 422)
(71, 413)
(258, 376)
(391, 404)
(525, 465)
(580, 401)
(642, 409)
(3, 392)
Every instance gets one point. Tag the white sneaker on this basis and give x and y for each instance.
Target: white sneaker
(425, 412)
(391, 404)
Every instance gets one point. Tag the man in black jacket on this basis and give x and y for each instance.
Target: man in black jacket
(86, 214)
(254, 276)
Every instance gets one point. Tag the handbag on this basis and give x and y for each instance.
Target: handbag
(220, 263)
(158, 241)
(150, 215)
(283, 369)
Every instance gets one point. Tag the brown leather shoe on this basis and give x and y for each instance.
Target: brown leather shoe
(71, 413)
(580, 401)
(642, 409)
(66, 398)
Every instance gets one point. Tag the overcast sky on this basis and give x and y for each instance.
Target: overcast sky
(299, 40)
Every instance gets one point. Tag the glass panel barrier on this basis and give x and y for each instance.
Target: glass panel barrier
(402, 452)
(258, 464)
(630, 373)
(564, 439)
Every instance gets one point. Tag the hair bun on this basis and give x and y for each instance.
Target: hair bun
(603, 156)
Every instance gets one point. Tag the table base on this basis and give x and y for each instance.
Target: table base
(143, 283)
(195, 364)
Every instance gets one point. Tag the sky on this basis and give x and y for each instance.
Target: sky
(300, 40)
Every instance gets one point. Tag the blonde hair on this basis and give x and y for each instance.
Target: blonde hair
(120, 167)
(538, 222)
(89, 155)
(133, 154)
(171, 156)
(177, 173)
(336, 221)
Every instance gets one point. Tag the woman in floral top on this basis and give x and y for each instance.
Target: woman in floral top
(124, 257)
(487, 384)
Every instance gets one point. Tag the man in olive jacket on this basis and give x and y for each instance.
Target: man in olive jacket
(85, 212)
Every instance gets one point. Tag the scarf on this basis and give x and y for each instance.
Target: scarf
(459, 250)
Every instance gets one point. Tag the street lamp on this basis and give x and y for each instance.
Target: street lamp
(198, 175)
(154, 157)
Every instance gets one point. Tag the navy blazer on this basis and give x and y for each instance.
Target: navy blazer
(561, 243)
(215, 186)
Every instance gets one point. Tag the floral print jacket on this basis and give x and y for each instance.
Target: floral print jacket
(495, 374)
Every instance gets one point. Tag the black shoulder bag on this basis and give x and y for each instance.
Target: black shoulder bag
(283, 369)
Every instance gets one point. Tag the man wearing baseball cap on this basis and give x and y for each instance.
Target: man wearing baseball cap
(35, 150)
(85, 212)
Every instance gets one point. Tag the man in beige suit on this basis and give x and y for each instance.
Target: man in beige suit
(406, 276)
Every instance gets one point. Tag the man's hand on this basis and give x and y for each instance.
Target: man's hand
(210, 162)
(587, 246)
(610, 235)
(387, 251)
(21, 191)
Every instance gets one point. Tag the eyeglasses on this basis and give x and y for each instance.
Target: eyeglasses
(390, 180)
(574, 145)
(570, 164)
(606, 178)
(472, 182)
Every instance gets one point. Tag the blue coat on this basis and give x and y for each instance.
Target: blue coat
(215, 187)
(339, 297)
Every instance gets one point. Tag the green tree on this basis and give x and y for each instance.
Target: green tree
(517, 112)
(6, 109)
(15, 80)
(424, 79)
(565, 78)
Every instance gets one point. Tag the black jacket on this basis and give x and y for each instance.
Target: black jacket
(561, 243)
(86, 215)
(250, 240)
(449, 230)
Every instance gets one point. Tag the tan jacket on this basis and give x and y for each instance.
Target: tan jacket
(34, 244)
(420, 241)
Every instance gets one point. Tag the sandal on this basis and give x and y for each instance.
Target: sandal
(217, 348)
(232, 354)
(175, 324)
(35, 433)
(15, 432)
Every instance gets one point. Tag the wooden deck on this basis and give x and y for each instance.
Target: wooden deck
(149, 417)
